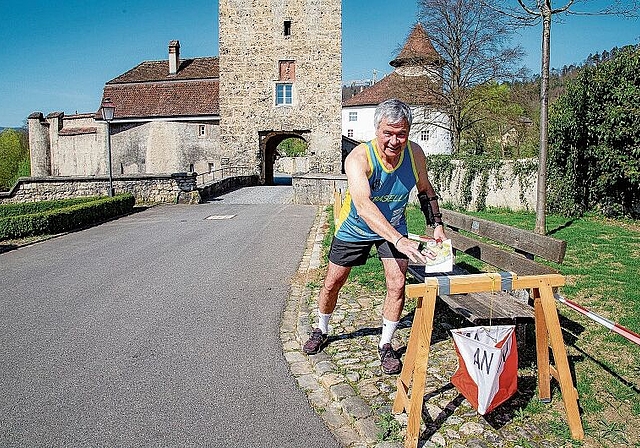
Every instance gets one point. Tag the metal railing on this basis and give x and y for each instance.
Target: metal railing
(223, 173)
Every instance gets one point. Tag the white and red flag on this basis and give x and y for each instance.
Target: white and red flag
(487, 373)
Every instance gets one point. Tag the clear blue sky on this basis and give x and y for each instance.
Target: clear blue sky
(57, 56)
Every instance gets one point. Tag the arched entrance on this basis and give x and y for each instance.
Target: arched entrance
(269, 142)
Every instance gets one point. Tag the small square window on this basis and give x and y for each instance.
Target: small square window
(202, 130)
(424, 135)
(350, 133)
(284, 94)
(353, 116)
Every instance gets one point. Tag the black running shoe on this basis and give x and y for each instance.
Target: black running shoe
(316, 342)
(389, 360)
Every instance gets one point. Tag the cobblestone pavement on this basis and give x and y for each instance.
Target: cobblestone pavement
(345, 385)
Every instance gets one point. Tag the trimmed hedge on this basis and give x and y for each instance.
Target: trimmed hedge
(29, 208)
(67, 218)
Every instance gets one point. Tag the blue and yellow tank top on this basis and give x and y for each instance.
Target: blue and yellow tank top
(389, 191)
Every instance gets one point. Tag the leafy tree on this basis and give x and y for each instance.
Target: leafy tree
(594, 131)
(293, 147)
(472, 39)
(532, 12)
(502, 127)
(14, 156)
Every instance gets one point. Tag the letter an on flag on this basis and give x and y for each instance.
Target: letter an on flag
(487, 372)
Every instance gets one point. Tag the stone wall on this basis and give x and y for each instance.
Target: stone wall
(225, 185)
(252, 45)
(76, 145)
(147, 189)
(317, 188)
(504, 190)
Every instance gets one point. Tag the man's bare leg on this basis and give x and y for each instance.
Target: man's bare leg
(334, 280)
(395, 278)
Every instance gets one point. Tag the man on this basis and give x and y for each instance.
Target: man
(380, 175)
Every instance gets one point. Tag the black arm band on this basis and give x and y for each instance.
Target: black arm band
(425, 206)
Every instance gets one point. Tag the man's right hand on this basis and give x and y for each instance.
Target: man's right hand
(413, 250)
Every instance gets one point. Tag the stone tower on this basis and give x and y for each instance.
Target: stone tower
(280, 77)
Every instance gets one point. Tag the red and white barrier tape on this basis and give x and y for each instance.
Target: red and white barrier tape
(619, 329)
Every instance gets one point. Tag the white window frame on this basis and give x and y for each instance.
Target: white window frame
(424, 135)
(350, 133)
(202, 130)
(286, 98)
(353, 116)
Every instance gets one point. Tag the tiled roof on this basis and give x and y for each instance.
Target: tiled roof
(409, 89)
(78, 131)
(417, 50)
(149, 91)
(164, 99)
(197, 68)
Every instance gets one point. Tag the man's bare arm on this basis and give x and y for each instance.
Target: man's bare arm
(424, 185)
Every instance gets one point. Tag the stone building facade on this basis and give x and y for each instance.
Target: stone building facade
(281, 78)
(166, 121)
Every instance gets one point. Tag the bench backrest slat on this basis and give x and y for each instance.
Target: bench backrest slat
(523, 241)
(507, 261)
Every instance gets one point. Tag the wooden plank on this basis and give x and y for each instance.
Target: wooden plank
(482, 307)
(507, 261)
(569, 393)
(549, 248)
(542, 350)
(423, 340)
(461, 284)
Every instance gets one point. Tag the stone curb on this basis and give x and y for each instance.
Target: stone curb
(347, 415)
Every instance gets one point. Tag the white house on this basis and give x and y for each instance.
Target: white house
(413, 68)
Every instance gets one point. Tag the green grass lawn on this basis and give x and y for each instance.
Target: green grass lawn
(602, 268)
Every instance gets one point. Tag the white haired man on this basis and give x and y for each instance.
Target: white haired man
(380, 174)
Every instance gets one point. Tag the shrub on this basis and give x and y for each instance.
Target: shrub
(28, 208)
(66, 218)
(594, 135)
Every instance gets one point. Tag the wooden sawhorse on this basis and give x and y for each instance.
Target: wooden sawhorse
(548, 334)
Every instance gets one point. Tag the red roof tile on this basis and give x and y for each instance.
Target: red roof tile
(148, 91)
(409, 89)
(164, 99)
(197, 68)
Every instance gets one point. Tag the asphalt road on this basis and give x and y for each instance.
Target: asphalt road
(157, 329)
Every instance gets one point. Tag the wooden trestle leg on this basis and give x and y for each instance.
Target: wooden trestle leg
(551, 326)
(414, 370)
(548, 334)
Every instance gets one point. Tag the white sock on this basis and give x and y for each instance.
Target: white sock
(388, 328)
(323, 322)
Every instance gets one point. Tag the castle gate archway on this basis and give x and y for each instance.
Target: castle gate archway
(269, 141)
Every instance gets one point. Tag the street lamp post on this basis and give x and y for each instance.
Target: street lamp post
(108, 109)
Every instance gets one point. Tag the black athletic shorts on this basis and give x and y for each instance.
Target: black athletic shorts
(348, 254)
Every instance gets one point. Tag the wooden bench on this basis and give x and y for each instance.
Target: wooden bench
(511, 250)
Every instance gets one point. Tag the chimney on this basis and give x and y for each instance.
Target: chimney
(174, 56)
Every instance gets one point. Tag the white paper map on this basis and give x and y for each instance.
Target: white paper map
(444, 256)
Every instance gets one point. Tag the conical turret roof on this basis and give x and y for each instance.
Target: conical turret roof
(418, 50)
